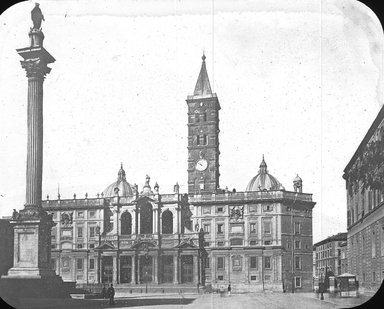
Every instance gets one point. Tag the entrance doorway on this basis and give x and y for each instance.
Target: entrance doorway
(107, 269)
(125, 269)
(186, 268)
(167, 273)
(145, 270)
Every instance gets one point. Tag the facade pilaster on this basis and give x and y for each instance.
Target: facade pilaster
(175, 270)
(133, 269)
(114, 279)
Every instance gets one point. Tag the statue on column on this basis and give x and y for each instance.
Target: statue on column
(37, 16)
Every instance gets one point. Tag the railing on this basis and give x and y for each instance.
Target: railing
(252, 195)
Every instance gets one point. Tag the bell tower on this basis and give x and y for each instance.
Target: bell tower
(203, 136)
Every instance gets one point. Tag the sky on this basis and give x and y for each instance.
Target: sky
(298, 81)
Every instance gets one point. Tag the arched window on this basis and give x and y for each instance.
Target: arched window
(167, 225)
(126, 223)
(198, 140)
(146, 219)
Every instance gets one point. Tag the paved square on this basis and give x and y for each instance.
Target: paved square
(203, 301)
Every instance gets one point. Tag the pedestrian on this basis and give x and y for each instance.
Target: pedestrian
(111, 295)
(221, 291)
(104, 292)
(198, 288)
(229, 289)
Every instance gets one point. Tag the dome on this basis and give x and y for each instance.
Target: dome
(297, 179)
(125, 188)
(263, 180)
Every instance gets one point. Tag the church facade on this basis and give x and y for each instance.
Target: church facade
(259, 239)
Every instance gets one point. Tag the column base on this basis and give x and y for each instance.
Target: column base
(29, 273)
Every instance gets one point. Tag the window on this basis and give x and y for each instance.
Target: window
(267, 242)
(91, 246)
(207, 262)
(221, 278)
(253, 228)
(203, 139)
(374, 277)
(220, 243)
(297, 244)
(92, 214)
(197, 138)
(92, 231)
(79, 232)
(236, 242)
(126, 223)
(167, 222)
(53, 246)
(79, 246)
(80, 214)
(197, 118)
(253, 262)
(79, 264)
(207, 228)
(297, 228)
(267, 208)
(220, 262)
(236, 229)
(91, 263)
(267, 278)
(253, 278)
(267, 227)
(253, 242)
(206, 210)
(220, 228)
(298, 282)
(267, 262)
(298, 262)
(220, 209)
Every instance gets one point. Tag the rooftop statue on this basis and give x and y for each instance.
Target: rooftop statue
(37, 16)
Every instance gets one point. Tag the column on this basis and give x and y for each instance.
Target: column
(154, 221)
(175, 270)
(228, 258)
(138, 269)
(35, 65)
(133, 269)
(138, 222)
(114, 276)
(195, 269)
(154, 269)
(175, 223)
(133, 227)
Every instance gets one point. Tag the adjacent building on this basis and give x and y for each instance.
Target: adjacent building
(6, 245)
(257, 239)
(329, 254)
(364, 176)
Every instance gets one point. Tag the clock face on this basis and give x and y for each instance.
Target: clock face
(201, 165)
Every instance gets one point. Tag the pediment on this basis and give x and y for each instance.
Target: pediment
(105, 246)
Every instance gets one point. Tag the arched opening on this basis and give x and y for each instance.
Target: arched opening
(146, 219)
(167, 224)
(126, 223)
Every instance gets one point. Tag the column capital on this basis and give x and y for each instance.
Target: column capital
(35, 68)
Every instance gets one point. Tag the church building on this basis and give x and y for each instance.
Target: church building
(259, 239)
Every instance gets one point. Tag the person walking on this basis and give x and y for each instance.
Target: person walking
(229, 289)
(111, 295)
(104, 292)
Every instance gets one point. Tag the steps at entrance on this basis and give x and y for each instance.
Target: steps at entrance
(155, 288)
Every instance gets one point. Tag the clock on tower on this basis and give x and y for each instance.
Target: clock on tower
(203, 136)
